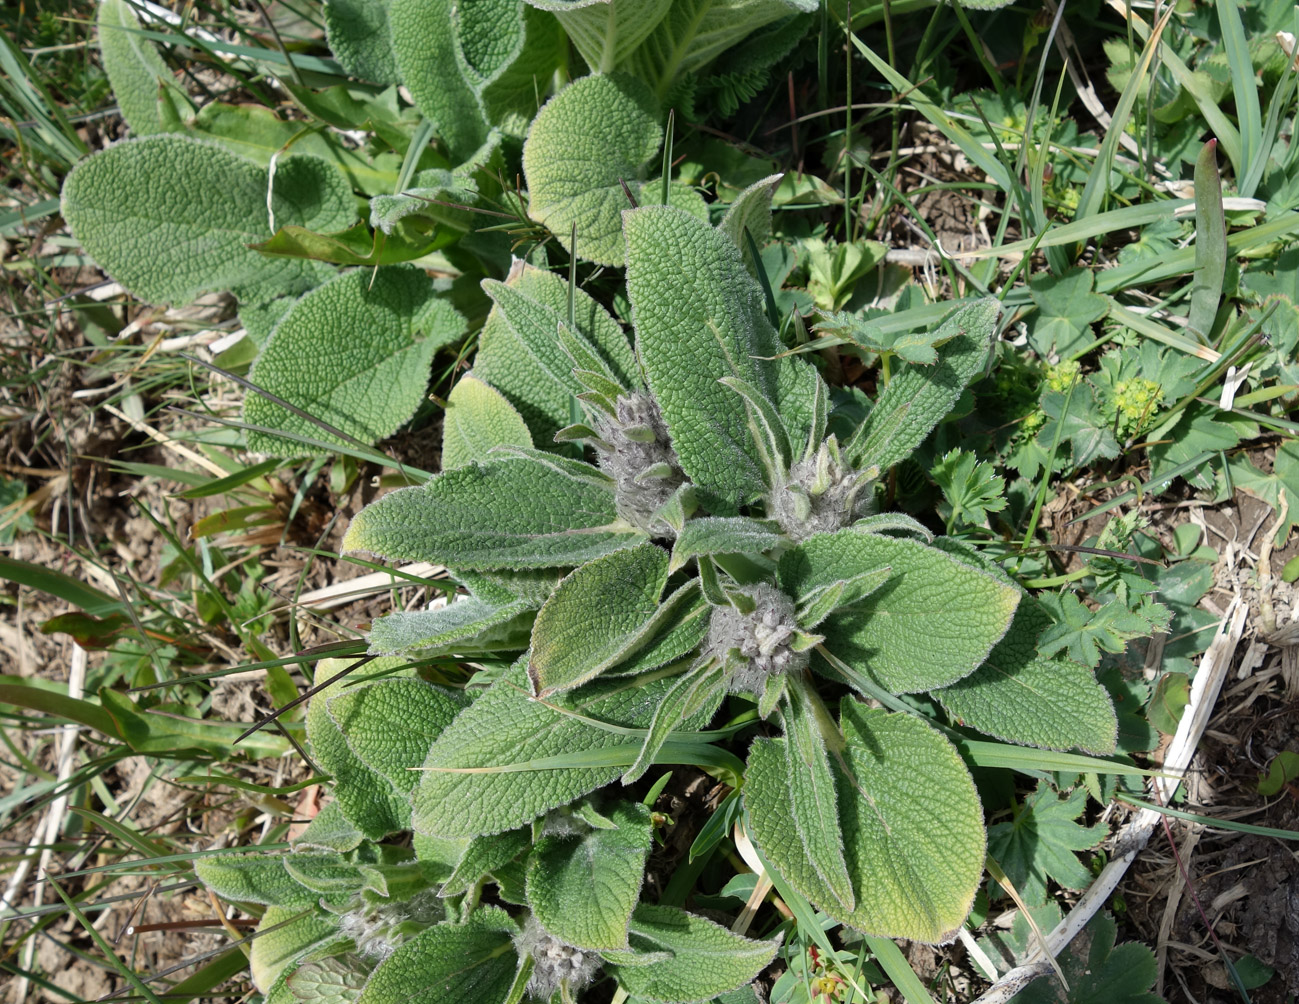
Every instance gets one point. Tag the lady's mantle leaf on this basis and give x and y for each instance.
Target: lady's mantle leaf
(450, 964)
(504, 727)
(911, 820)
(1039, 843)
(477, 418)
(363, 386)
(933, 622)
(171, 217)
(589, 139)
(391, 724)
(586, 625)
(704, 959)
(699, 317)
(583, 889)
(515, 512)
(1022, 698)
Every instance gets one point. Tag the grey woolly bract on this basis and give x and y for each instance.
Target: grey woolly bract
(553, 961)
(756, 645)
(627, 460)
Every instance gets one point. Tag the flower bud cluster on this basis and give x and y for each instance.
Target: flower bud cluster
(635, 450)
(554, 962)
(822, 494)
(757, 644)
(377, 930)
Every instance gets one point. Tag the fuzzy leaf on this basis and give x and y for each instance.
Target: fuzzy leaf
(368, 799)
(332, 980)
(515, 512)
(360, 39)
(596, 134)
(366, 387)
(677, 628)
(606, 32)
(911, 820)
(933, 622)
(478, 417)
(253, 878)
(699, 686)
(170, 217)
(505, 726)
(536, 377)
(751, 211)
(918, 398)
(583, 889)
(1041, 841)
(699, 317)
(466, 626)
(724, 535)
(331, 830)
(450, 964)
(803, 400)
(390, 724)
(1023, 698)
(704, 959)
(814, 808)
(484, 855)
(142, 84)
(275, 947)
(591, 617)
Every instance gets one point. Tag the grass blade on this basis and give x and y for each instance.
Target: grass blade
(1210, 243)
(1243, 85)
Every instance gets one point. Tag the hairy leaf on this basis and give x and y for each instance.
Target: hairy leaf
(360, 39)
(466, 626)
(515, 512)
(253, 878)
(284, 935)
(751, 211)
(583, 888)
(142, 85)
(699, 317)
(365, 387)
(724, 535)
(911, 820)
(478, 417)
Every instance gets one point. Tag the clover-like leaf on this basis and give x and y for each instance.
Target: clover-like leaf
(584, 888)
(933, 622)
(699, 317)
(365, 387)
(592, 616)
(1041, 842)
(911, 821)
(478, 417)
(513, 512)
(702, 960)
(170, 217)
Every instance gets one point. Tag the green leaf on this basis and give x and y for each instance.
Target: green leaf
(911, 821)
(592, 616)
(426, 44)
(724, 535)
(450, 964)
(1098, 972)
(515, 512)
(1022, 698)
(917, 399)
(1084, 632)
(1168, 700)
(478, 417)
(803, 400)
(700, 686)
(469, 625)
(533, 372)
(699, 317)
(330, 831)
(814, 807)
(1039, 843)
(506, 726)
(751, 211)
(360, 39)
(583, 888)
(332, 980)
(705, 958)
(144, 209)
(357, 245)
(933, 622)
(606, 32)
(1066, 310)
(676, 629)
(274, 950)
(1283, 769)
(253, 878)
(596, 134)
(368, 799)
(390, 724)
(970, 486)
(142, 85)
(365, 387)
(1211, 227)
(484, 855)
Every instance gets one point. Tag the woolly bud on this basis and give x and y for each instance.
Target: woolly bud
(758, 644)
(554, 962)
(822, 494)
(640, 458)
